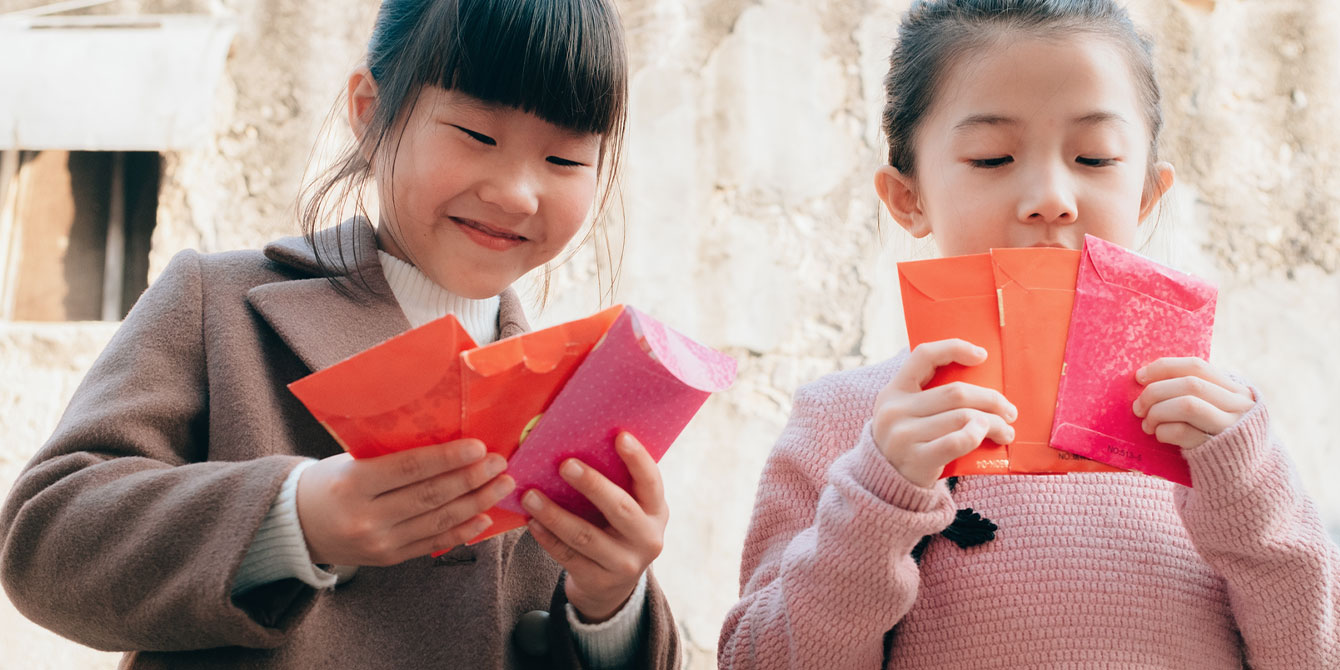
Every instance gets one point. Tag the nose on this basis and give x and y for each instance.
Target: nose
(1049, 197)
(511, 188)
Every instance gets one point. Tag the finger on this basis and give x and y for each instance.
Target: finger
(448, 540)
(1180, 434)
(624, 514)
(1221, 397)
(1170, 367)
(1190, 410)
(648, 487)
(443, 520)
(568, 558)
(925, 430)
(577, 533)
(922, 363)
(392, 471)
(940, 451)
(962, 395)
(434, 492)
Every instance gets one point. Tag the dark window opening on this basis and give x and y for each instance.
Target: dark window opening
(80, 230)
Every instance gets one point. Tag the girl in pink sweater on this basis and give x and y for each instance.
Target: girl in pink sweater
(1015, 123)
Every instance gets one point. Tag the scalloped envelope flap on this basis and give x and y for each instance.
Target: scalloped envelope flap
(387, 376)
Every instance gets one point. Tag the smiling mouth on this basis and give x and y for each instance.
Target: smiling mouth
(488, 230)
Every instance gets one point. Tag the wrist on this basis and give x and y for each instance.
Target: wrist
(596, 611)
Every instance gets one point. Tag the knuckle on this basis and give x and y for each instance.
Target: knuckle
(584, 537)
(432, 493)
(956, 393)
(627, 508)
(411, 465)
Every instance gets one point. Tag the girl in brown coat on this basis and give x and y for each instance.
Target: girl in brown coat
(190, 512)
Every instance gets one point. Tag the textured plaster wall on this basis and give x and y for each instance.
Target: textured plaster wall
(751, 224)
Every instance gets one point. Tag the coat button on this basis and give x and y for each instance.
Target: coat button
(531, 633)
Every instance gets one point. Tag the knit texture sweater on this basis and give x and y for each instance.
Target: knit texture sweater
(1087, 571)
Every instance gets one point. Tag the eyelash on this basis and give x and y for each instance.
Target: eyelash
(485, 139)
(989, 163)
(1002, 161)
(1095, 162)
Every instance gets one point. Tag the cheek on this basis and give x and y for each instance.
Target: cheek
(573, 204)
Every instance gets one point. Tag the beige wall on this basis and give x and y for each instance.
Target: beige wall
(751, 223)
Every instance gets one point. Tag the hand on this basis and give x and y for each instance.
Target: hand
(385, 510)
(604, 564)
(1186, 401)
(921, 431)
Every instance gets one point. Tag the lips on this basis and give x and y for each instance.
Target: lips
(488, 230)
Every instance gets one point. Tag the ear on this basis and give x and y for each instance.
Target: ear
(899, 193)
(362, 91)
(1163, 181)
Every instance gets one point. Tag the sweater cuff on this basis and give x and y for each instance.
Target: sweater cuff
(867, 465)
(611, 643)
(1230, 460)
(279, 549)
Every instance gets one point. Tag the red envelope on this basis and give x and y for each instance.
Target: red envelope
(1036, 289)
(1129, 311)
(403, 393)
(956, 297)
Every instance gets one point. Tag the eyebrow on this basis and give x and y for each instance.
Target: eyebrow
(1095, 118)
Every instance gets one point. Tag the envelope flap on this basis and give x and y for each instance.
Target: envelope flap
(949, 278)
(1036, 268)
(388, 375)
(694, 364)
(1119, 266)
(542, 350)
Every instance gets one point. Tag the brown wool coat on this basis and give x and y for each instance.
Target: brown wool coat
(126, 530)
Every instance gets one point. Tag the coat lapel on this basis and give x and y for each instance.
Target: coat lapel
(323, 324)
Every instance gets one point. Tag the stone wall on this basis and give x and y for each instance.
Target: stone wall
(750, 223)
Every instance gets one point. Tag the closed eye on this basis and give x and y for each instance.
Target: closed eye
(557, 160)
(1095, 162)
(999, 161)
(478, 137)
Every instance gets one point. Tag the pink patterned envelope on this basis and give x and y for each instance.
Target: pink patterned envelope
(641, 377)
(1129, 311)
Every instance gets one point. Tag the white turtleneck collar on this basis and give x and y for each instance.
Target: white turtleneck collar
(423, 301)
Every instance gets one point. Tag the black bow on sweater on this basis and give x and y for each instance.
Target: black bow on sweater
(968, 529)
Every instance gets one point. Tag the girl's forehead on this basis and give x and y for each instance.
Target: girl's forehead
(1083, 79)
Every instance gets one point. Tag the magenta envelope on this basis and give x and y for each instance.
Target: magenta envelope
(1129, 311)
(641, 377)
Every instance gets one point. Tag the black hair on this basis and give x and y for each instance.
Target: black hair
(562, 60)
(936, 34)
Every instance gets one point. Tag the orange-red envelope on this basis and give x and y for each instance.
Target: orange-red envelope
(1036, 290)
(956, 297)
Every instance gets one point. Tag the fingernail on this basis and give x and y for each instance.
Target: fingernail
(481, 525)
(1140, 375)
(571, 469)
(531, 501)
(625, 442)
(1135, 407)
(504, 486)
(1014, 414)
(1144, 425)
(475, 451)
(496, 465)
(981, 351)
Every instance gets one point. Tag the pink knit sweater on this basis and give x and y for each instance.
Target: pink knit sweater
(1087, 571)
